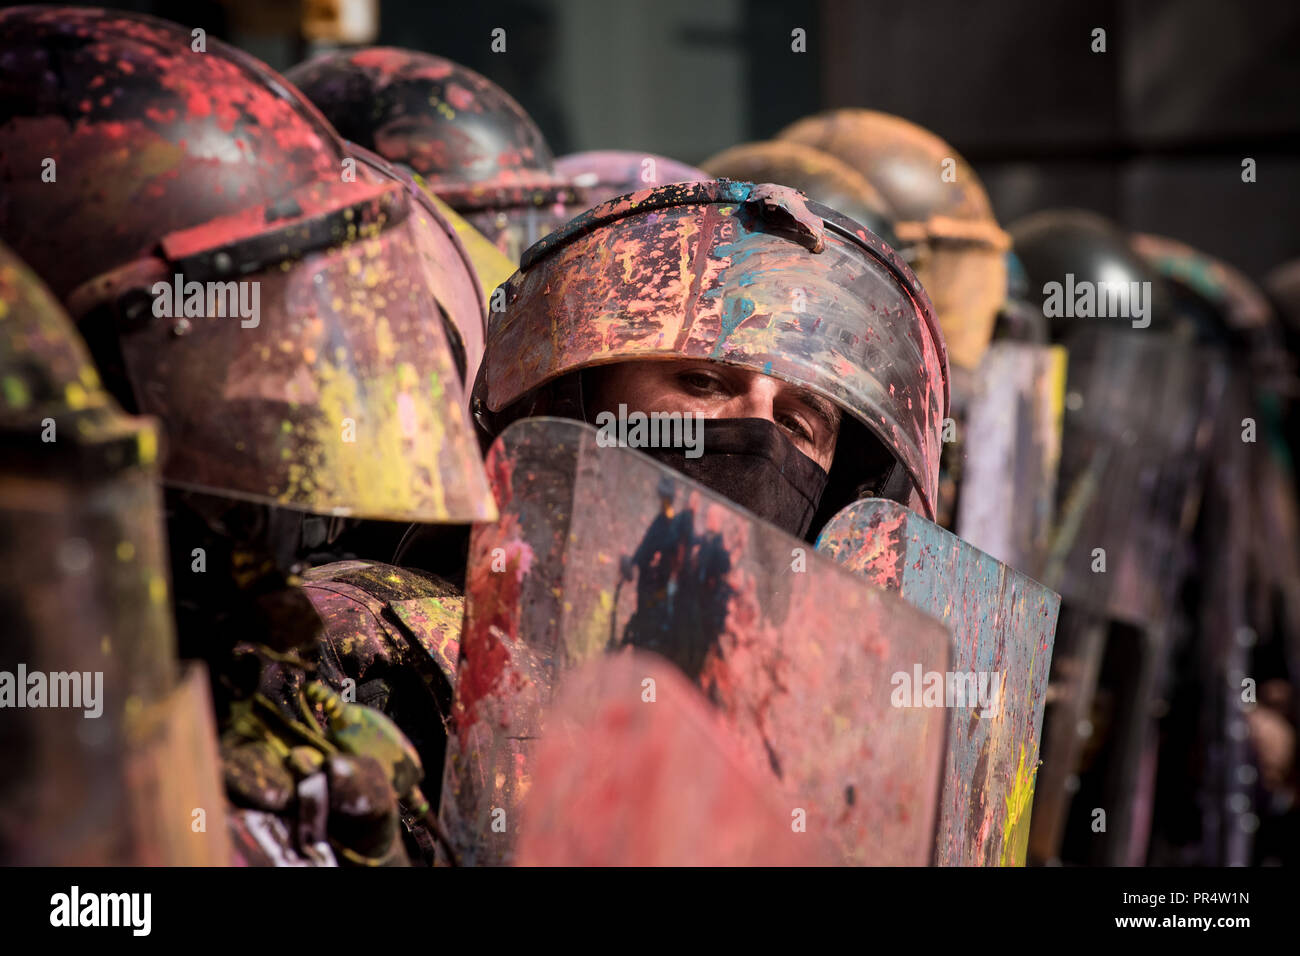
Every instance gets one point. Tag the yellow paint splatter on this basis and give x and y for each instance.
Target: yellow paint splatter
(1015, 827)
(146, 441)
(16, 393)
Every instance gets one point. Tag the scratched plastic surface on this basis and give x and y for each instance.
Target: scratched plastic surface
(639, 770)
(797, 662)
(1011, 453)
(1002, 623)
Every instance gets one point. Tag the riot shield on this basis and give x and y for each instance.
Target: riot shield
(639, 770)
(1003, 624)
(1137, 408)
(598, 549)
(1011, 447)
(1137, 423)
(110, 753)
(1076, 667)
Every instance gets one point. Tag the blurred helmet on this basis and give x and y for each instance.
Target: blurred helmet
(1063, 250)
(818, 175)
(742, 274)
(474, 146)
(939, 205)
(605, 174)
(197, 217)
(1227, 308)
(1200, 281)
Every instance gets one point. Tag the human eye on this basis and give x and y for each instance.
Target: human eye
(797, 426)
(701, 381)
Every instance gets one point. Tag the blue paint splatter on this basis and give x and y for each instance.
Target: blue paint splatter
(735, 311)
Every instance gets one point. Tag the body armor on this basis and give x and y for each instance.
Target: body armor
(472, 144)
(940, 209)
(392, 635)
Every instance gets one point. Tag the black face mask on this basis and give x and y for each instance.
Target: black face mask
(751, 462)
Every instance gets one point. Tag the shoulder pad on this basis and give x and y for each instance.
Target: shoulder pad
(375, 611)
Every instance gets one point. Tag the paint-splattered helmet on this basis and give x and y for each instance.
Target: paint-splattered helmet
(816, 174)
(941, 209)
(233, 269)
(742, 274)
(472, 144)
(604, 174)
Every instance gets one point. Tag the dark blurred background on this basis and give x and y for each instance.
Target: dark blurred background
(1152, 132)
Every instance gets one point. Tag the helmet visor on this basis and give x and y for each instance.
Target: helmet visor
(683, 273)
(306, 366)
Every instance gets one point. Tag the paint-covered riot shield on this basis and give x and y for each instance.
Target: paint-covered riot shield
(1009, 442)
(1003, 624)
(1135, 434)
(600, 549)
(639, 770)
(1138, 412)
(110, 752)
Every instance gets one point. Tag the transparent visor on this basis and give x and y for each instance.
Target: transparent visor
(514, 229)
(492, 265)
(451, 271)
(689, 282)
(453, 276)
(325, 384)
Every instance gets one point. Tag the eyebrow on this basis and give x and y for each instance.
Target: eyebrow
(824, 409)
